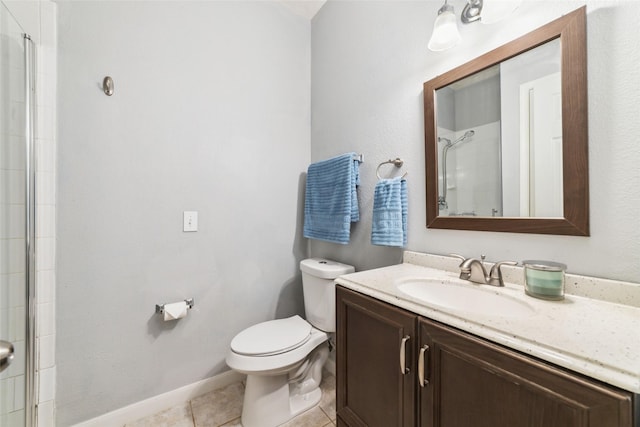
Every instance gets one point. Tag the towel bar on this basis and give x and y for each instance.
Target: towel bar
(397, 162)
(359, 158)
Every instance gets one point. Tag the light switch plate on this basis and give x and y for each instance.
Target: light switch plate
(190, 221)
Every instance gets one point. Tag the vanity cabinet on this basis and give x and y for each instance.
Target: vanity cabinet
(371, 390)
(473, 382)
(468, 381)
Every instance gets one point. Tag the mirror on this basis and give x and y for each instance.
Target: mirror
(506, 136)
(520, 102)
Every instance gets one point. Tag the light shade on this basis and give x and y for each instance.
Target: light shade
(497, 10)
(445, 30)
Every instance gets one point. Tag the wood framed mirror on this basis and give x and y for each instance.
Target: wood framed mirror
(495, 159)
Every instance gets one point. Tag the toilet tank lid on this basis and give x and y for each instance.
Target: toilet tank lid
(324, 268)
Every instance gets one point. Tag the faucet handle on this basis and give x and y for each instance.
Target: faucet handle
(495, 276)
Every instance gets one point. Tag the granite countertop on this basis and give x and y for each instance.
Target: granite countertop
(586, 334)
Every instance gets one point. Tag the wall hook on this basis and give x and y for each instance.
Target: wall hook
(107, 86)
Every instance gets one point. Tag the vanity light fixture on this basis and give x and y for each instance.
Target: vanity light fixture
(445, 30)
(471, 11)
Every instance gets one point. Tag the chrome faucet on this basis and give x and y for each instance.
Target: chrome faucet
(472, 269)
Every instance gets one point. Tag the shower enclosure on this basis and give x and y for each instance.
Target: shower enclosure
(17, 227)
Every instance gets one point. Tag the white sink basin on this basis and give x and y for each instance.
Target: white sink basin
(462, 297)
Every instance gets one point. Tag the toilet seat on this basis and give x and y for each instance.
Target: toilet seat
(272, 337)
(277, 363)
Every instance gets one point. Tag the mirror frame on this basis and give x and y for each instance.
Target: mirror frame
(571, 29)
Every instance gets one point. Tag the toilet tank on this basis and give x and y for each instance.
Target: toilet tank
(318, 286)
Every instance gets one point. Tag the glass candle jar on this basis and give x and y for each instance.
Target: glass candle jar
(544, 279)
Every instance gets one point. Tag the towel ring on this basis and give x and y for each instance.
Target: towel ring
(397, 162)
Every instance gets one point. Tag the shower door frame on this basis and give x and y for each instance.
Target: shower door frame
(30, 403)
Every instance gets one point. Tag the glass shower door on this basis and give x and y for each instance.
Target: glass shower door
(16, 219)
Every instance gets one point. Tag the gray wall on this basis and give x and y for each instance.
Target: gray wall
(464, 106)
(369, 61)
(446, 109)
(477, 104)
(211, 113)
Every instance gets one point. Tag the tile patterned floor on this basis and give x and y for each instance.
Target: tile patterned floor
(223, 407)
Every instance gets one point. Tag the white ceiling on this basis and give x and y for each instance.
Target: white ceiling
(306, 8)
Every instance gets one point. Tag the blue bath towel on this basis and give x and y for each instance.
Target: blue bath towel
(331, 201)
(389, 226)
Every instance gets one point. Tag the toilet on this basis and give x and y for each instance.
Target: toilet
(283, 358)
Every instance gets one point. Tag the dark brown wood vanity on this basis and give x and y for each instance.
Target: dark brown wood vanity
(466, 381)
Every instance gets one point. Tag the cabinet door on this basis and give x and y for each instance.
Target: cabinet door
(371, 389)
(480, 384)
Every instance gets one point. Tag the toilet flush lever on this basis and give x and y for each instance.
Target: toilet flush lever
(403, 356)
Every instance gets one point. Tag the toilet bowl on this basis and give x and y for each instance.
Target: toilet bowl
(283, 358)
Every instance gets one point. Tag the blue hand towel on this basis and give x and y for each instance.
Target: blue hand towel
(389, 226)
(331, 200)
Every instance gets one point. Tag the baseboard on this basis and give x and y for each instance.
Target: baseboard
(158, 403)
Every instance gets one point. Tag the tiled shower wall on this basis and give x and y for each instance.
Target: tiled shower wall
(45, 211)
(38, 19)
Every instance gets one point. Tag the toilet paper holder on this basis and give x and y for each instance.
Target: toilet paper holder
(160, 307)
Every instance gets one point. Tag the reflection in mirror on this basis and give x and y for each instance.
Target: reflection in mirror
(499, 138)
(506, 136)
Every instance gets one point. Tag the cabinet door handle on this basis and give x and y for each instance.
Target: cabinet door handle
(421, 363)
(403, 361)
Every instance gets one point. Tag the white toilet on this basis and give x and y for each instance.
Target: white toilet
(283, 358)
